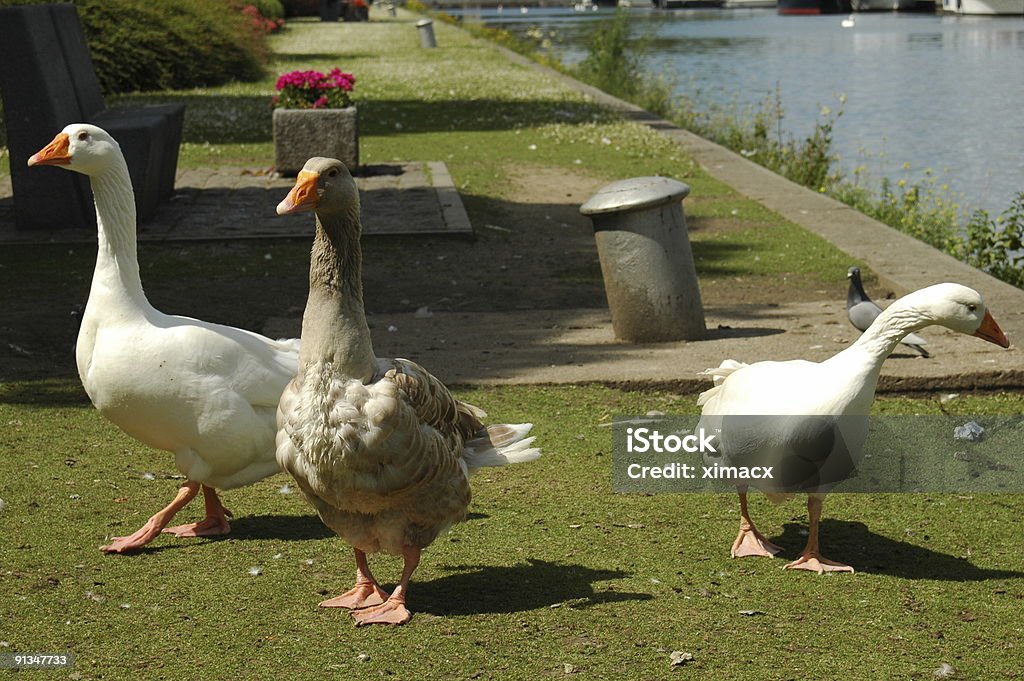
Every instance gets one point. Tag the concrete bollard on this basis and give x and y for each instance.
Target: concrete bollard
(646, 261)
(426, 29)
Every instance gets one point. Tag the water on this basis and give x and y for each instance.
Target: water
(944, 93)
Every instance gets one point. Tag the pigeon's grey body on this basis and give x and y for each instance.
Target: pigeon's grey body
(862, 311)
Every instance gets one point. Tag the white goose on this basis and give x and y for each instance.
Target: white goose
(206, 392)
(841, 386)
(379, 447)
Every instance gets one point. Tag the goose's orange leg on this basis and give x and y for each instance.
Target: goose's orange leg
(750, 542)
(810, 558)
(215, 522)
(365, 593)
(392, 611)
(154, 525)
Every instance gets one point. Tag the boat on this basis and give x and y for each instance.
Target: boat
(992, 7)
(815, 6)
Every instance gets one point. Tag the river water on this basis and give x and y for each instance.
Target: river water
(922, 91)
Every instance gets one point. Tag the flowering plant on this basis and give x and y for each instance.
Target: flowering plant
(260, 23)
(314, 90)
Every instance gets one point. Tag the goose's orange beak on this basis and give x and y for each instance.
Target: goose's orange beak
(303, 196)
(991, 332)
(56, 153)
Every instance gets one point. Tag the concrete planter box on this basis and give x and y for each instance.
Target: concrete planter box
(300, 134)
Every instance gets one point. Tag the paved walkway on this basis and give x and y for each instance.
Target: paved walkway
(577, 346)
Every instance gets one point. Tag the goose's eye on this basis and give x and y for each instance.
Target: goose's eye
(333, 173)
(83, 135)
(971, 307)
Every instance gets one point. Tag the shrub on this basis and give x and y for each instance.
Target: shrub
(271, 9)
(614, 64)
(996, 246)
(171, 44)
(259, 22)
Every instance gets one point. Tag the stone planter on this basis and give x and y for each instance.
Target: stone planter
(300, 134)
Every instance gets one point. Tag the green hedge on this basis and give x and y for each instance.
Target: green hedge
(140, 45)
(271, 9)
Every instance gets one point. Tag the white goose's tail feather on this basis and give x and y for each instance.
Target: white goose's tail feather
(718, 375)
(500, 445)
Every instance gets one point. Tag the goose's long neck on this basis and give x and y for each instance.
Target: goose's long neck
(888, 329)
(334, 325)
(117, 263)
(859, 366)
(869, 351)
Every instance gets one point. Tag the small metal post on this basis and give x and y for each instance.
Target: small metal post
(426, 29)
(646, 261)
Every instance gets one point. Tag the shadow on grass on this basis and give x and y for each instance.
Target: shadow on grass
(328, 59)
(236, 119)
(281, 527)
(380, 116)
(854, 544)
(248, 528)
(215, 118)
(480, 589)
(288, 527)
(44, 393)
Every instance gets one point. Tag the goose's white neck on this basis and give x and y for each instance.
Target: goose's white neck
(116, 278)
(334, 327)
(891, 327)
(862, 362)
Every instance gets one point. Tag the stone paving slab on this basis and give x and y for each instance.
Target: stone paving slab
(234, 203)
(577, 346)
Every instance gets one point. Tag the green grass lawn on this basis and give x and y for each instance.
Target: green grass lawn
(551, 568)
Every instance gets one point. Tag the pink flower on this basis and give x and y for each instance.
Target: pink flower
(313, 89)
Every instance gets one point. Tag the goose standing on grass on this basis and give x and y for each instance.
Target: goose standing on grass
(811, 394)
(206, 392)
(862, 311)
(379, 447)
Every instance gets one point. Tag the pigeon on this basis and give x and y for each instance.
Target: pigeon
(861, 311)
